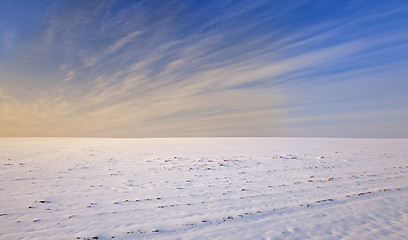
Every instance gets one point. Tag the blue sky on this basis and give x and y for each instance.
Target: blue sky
(204, 68)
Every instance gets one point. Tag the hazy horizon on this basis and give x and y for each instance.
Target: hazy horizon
(131, 69)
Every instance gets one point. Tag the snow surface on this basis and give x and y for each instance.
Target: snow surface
(203, 188)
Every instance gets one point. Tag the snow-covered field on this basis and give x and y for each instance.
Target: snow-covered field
(203, 188)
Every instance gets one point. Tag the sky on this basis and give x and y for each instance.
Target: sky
(222, 68)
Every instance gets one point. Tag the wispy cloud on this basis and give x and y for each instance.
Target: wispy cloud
(146, 70)
(69, 76)
(121, 42)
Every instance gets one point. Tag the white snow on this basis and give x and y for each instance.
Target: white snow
(203, 188)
